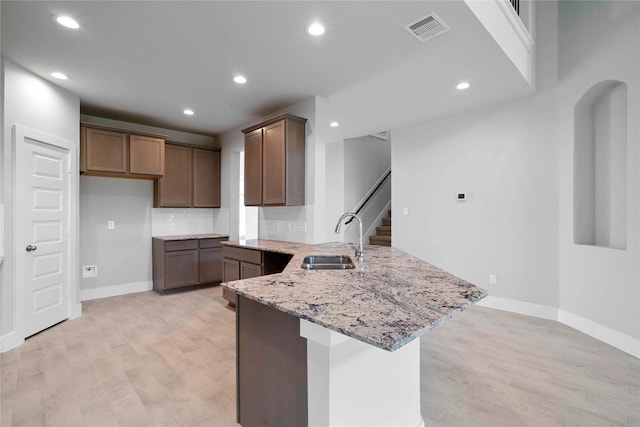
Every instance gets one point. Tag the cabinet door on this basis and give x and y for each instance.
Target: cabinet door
(182, 268)
(253, 168)
(210, 265)
(248, 270)
(174, 189)
(206, 178)
(230, 272)
(106, 151)
(146, 155)
(273, 164)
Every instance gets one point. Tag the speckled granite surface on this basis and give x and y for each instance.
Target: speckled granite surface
(386, 301)
(192, 236)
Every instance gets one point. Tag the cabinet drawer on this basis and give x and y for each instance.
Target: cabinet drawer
(249, 255)
(180, 245)
(210, 243)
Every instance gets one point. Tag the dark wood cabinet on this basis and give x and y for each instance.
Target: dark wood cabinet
(105, 151)
(191, 178)
(210, 261)
(253, 168)
(206, 178)
(244, 263)
(182, 269)
(174, 189)
(270, 355)
(275, 162)
(182, 263)
(146, 155)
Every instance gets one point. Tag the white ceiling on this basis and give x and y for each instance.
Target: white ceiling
(147, 61)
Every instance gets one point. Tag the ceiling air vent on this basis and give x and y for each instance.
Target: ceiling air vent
(427, 27)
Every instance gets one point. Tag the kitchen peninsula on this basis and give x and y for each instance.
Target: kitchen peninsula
(338, 347)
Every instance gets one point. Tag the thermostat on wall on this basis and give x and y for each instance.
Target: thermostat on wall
(461, 197)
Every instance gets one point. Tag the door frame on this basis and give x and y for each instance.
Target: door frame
(74, 307)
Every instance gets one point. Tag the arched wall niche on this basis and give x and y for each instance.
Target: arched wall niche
(600, 166)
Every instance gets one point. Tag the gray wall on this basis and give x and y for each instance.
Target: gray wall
(38, 104)
(514, 160)
(122, 255)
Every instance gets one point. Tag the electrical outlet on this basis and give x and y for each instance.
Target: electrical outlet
(405, 211)
(90, 271)
(493, 279)
(111, 225)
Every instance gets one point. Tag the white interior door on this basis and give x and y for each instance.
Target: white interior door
(42, 202)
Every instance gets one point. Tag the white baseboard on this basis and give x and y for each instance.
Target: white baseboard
(115, 290)
(10, 340)
(76, 311)
(617, 339)
(521, 307)
(612, 337)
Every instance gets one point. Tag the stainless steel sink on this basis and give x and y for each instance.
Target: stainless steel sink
(327, 262)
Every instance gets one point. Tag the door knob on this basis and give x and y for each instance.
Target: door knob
(31, 248)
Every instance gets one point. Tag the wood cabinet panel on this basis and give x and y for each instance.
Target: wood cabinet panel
(253, 168)
(206, 178)
(210, 265)
(253, 256)
(248, 270)
(231, 269)
(174, 189)
(146, 155)
(273, 166)
(274, 172)
(270, 355)
(182, 269)
(181, 263)
(105, 151)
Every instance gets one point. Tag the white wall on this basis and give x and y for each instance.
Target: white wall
(514, 160)
(38, 104)
(601, 285)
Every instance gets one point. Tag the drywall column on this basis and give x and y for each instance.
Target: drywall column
(351, 383)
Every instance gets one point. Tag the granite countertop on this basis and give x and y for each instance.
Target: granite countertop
(192, 236)
(386, 301)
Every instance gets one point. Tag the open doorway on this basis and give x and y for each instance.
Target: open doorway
(247, 215)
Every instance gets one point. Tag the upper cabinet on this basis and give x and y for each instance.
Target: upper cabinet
(274, 158)
(107, 151)
(191, 178)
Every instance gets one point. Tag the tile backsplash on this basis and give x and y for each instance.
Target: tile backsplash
(171, 221)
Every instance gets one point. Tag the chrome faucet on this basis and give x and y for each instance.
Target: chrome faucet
(360, 252)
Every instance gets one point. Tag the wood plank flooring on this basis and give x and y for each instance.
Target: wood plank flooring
(150, 360)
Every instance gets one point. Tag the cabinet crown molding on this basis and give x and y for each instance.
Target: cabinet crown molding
(274, 120)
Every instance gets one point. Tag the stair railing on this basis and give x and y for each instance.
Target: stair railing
(370, 193)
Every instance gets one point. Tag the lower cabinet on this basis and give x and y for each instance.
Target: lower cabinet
(182, 263)
(239, 263)
(244, 263)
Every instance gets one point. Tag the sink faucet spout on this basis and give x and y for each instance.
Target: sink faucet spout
(360, 251)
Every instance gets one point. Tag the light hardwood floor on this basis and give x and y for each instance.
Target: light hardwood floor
(150, 360)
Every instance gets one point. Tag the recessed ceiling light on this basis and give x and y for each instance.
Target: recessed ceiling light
(188, 112)
(67, 21)
(315, 29)
(59, 76)
(240, 79)
(463, 86)
(334, 124)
